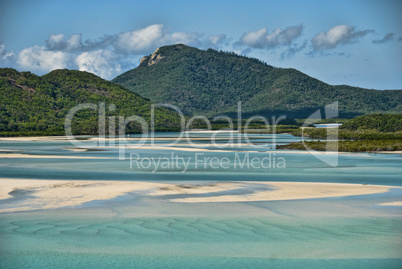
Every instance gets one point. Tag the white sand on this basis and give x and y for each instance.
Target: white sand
(294, 191)
(47, 194)
(32, 156)
(178, 147)
(211, 131)
(36, 138)
(183, 139)
(398, 203)
(182, 149)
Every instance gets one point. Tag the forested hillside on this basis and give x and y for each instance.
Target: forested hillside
(212, 82)
(32, 104)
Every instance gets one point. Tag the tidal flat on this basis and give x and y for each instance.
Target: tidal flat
(78, 208)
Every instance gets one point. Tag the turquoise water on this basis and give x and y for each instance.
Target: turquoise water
(93, 238)
(289, 234)
(137, 231)
(62, 260)
(365, 168)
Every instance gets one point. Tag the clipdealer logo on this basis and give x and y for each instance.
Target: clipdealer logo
(199, 161)
(267, 160)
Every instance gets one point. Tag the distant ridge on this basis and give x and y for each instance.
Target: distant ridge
(209, 82)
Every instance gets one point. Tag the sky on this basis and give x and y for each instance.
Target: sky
(353, 42)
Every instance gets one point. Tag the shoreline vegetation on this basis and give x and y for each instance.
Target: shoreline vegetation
(369, 133)
(348, 146)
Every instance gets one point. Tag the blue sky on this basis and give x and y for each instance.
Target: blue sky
(339, 42)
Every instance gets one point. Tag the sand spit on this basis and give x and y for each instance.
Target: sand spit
(34, 156)
(397, 203)
(26, 194)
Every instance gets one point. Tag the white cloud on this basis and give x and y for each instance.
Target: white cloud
(255, 38)
(139, 41)
(58, 42)
(216, 39)
(7, 57)
(340, 34)
(183, 37)
(39, 59)
(107, 56)
(74, 42)
(145, 40)
(103, 63)
(263, 39)
(55, 41)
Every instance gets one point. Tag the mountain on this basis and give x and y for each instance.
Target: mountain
(209, 82)
(32, 104)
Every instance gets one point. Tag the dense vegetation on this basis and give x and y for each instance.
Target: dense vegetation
(375, 132)
(379, 122)
(212, 83)
(368, 127)
(349, 146)
(323, 133)
(33, 105)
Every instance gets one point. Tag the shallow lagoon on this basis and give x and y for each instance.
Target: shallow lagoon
(148, 232)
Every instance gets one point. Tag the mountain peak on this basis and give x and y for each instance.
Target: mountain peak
(210, 82)
(161, 53)
(154, 58)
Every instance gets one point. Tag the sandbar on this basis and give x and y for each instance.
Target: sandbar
(397, 203)
(30, 194)
(34, 156)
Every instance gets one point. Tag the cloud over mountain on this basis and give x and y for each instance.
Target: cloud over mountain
(108, 55)
(6, 57)
(58, 42)
(262, 39)
(104, 63)
(337, 35)
(139, 41)
(111, 54)
(40, 59)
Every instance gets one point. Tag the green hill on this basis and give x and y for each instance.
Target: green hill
(368, 133)
(212, 83)
(34, 105)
